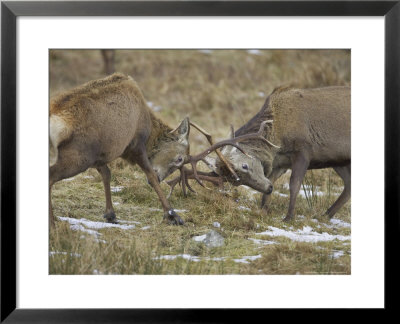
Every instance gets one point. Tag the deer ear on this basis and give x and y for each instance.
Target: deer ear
(182, 131)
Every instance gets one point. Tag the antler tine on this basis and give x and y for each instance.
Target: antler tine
(233, 142)
(220, 155)
(189, 174)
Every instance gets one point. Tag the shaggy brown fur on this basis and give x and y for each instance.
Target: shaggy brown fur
(312, 128)
(104, 119)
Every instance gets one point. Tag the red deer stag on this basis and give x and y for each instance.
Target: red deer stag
(95, 123)
(312, 130)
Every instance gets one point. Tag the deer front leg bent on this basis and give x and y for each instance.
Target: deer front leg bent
(169, 214)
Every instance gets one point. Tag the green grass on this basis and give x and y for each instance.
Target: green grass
(215, 90)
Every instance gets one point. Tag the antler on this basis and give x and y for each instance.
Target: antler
(222, 158)
(187, 174)
(193, 160)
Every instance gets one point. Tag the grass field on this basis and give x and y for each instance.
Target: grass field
(215, 88)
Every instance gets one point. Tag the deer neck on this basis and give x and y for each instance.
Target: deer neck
(159, 131)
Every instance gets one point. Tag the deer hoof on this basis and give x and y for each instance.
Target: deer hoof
(173, 218)
(288, 218)
(110, 217)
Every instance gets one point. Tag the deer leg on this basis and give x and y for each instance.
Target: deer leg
(299, 168)
(105, 173)
(70, 163)
(345, 174)
(275, 174)
(169, 214)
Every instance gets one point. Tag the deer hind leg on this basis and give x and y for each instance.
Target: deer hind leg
(345, 174)
(169, 214)
(275, 174)
(299, 168)
(69, 164)
(105, 173)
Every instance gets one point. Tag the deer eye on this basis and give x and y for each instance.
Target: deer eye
(245, 166)
(179, 159)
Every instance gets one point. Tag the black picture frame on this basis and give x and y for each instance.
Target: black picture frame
(9, 13)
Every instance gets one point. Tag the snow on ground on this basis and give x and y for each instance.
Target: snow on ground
(117, 189)
(304, 235)
(199, 238)
(338, 223)
(128, 222)
(78, 227)
(216, 224)
(247, 258)
(90, 227)
(244, 208)
(337, 254)
(262, 242)
(188, 257)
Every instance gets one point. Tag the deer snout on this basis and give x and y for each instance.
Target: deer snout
(269, 189)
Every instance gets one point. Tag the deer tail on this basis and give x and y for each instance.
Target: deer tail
(59, 132)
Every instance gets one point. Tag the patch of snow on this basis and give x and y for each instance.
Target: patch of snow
(280, 194)
(116, 203)
(244, 208)
(117, 189)
(145, 227)
(78, 227)
(254, 51)
(183, 256)
(304, 235)
(188, 257)
(262, 242)
(261, 94)
(88, 177)
(339, 223)
(94, 225)
(199, 238)
(216, 224)
(128, 222)
(247, 259)
(337, 254)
